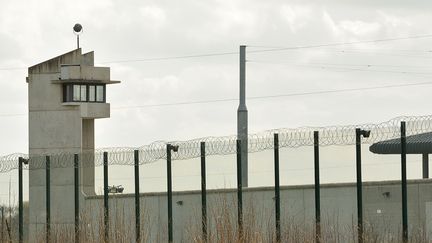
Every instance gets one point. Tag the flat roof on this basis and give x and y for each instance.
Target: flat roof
(415, 144)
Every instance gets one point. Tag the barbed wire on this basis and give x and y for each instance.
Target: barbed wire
(225, 145)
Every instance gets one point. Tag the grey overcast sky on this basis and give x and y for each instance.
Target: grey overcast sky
(122, 31)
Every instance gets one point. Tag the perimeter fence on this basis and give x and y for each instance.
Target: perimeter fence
(400, 127)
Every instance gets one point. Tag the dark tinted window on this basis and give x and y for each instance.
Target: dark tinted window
(83, 93)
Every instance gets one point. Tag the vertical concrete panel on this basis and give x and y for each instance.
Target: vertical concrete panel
(292, 205)
(258, 208)
(339, 209)
(383, 208)
(424, 203)
(186, 215)
(163, 218)
(428, 219)
(150, 217)
(309, 206)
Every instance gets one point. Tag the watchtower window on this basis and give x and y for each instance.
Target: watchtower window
(92, 93)
(84, 93)
(100, 90)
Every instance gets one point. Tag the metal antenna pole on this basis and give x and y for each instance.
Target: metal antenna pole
(242, 118)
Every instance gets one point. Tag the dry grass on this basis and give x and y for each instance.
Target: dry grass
(258, 226)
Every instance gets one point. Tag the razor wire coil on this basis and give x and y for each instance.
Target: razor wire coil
(224, 145)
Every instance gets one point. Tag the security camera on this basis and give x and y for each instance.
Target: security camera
(365, 133)
(24, 161)
(174, 148)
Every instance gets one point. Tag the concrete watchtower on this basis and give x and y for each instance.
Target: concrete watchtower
(66, 94)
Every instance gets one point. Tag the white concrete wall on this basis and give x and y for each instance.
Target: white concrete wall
(53, 129)
(338, 209)
(85, 72)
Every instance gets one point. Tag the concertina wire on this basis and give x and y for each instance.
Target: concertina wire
(225, 145)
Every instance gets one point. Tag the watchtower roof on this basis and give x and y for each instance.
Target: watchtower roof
(71, 58)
